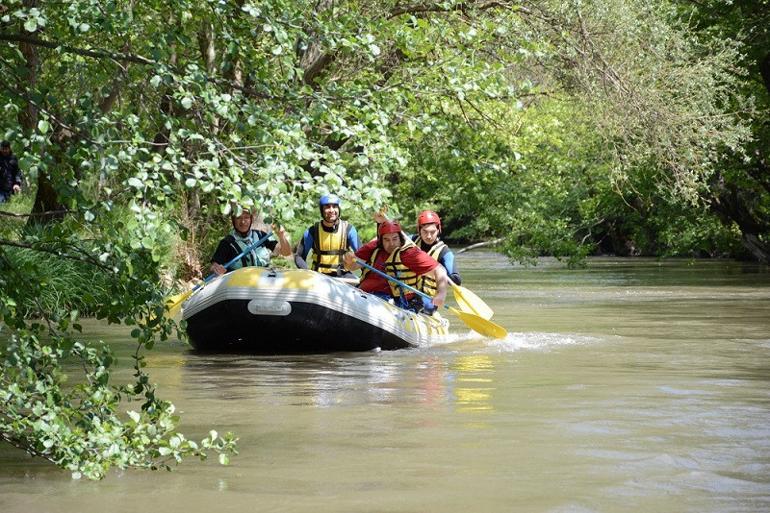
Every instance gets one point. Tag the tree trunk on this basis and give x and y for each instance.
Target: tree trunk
(312, 59)
(736, 206)
(758, 249)
(46, 198)
(764, 70)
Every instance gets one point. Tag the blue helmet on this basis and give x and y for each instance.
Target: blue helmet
(329, 199)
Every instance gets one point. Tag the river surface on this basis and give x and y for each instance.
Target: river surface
(631, 385)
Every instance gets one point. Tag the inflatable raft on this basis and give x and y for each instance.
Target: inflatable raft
(269, 311)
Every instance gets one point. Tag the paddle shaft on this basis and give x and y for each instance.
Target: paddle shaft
(475, 322)
(466, 300)
(391, 278)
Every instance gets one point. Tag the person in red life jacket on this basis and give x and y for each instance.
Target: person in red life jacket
(330, 238)
(240, 238)
(397, 256)
(428, 239)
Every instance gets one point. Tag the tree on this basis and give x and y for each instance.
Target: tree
(653, 109)
(739, 191)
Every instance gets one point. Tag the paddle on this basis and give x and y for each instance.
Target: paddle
(174, 302)
(470, 302)
(473, 321)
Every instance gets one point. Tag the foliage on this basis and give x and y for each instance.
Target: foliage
(78, 427)
(621, 120)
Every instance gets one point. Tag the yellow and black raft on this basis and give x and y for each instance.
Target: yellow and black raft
(269, 311)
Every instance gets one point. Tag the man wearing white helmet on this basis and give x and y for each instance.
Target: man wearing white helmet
(240, 238)
(329, 238)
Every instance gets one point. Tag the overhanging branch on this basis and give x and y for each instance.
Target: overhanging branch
(97, 54)
(82, 258)
(418, 9)
(33, 214)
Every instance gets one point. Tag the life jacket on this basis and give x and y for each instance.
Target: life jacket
(259, 257)
(396, 268)
(427, 283)
(328, 247)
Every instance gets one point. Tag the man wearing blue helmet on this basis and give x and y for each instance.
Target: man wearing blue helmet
(330, 238)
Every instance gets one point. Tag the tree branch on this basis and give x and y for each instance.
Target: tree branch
(97, 54)
(33, 214)
(86, 259)
(480, 245)
(462, 7)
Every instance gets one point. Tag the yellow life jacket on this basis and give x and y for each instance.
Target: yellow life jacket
(328, 247)
(396, 268)
(427, 283)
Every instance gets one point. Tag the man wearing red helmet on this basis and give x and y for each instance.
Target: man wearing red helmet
(427, 238)
(399, 257)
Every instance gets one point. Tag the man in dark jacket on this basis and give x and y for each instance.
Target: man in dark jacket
(10, 174)
(241, 238)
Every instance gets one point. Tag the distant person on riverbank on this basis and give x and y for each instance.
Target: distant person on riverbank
(241, 237)
(394, 254)
(10, 174)
(330, 238)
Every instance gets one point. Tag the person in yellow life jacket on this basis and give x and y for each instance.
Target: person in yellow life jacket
(330, 238)
(428, 239)
(241, 237)
(394, 254)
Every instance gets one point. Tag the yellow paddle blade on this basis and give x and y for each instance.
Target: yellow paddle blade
(174, 303)
(479, 324)
(470, 302)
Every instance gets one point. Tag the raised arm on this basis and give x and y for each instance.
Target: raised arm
(284, 246)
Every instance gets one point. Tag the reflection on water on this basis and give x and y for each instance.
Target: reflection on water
(475, 383)
(632, 385)
(466, 383)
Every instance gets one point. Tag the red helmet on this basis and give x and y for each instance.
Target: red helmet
(388, 227)
(428, 217)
